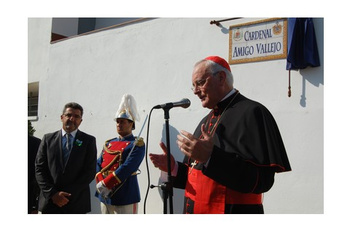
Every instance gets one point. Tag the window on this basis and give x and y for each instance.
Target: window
(33, 100)
(63, 28)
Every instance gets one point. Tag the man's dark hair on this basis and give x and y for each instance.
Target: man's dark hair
(74, 106)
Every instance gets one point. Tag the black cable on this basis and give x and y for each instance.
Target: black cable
(147, 168)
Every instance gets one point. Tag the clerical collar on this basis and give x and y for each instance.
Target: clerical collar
(222, 104)
(229, 94)
(73, 133)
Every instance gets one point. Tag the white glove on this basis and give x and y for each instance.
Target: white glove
(102, 189)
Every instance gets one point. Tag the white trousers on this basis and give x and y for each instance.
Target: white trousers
(121, 209)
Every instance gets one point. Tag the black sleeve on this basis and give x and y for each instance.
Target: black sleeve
(33, 188)
(42, 171)
(238, 174)
(181, 179)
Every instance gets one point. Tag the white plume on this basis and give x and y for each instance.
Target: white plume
(128, 103)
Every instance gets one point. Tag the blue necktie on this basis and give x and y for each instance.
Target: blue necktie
(67, 147)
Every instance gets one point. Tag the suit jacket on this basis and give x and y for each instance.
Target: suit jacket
(33, 188)
(74, 178)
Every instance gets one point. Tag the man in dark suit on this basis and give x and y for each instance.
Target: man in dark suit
(33, 189)
(65, 166)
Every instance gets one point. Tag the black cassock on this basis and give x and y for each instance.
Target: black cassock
(248, 151)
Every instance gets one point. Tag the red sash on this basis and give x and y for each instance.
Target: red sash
(210, 197)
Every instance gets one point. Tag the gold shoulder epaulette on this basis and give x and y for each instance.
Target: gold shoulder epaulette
(139, 142)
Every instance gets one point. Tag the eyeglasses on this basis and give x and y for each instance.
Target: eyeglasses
(69, 115)
(201, 83)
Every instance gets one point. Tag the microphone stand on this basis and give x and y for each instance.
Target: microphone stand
(167, 187)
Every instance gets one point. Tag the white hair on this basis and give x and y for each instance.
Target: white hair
(214, 67)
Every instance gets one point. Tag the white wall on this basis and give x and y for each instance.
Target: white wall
(39, 35)
(153, 61)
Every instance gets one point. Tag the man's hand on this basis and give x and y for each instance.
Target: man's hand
(198, 149)
(160, 160)
(60, 198)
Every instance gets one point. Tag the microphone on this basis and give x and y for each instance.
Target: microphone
(185, 103)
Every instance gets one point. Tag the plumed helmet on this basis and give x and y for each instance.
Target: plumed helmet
(127, 109)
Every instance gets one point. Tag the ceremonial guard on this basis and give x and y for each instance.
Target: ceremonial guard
(117, 167)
